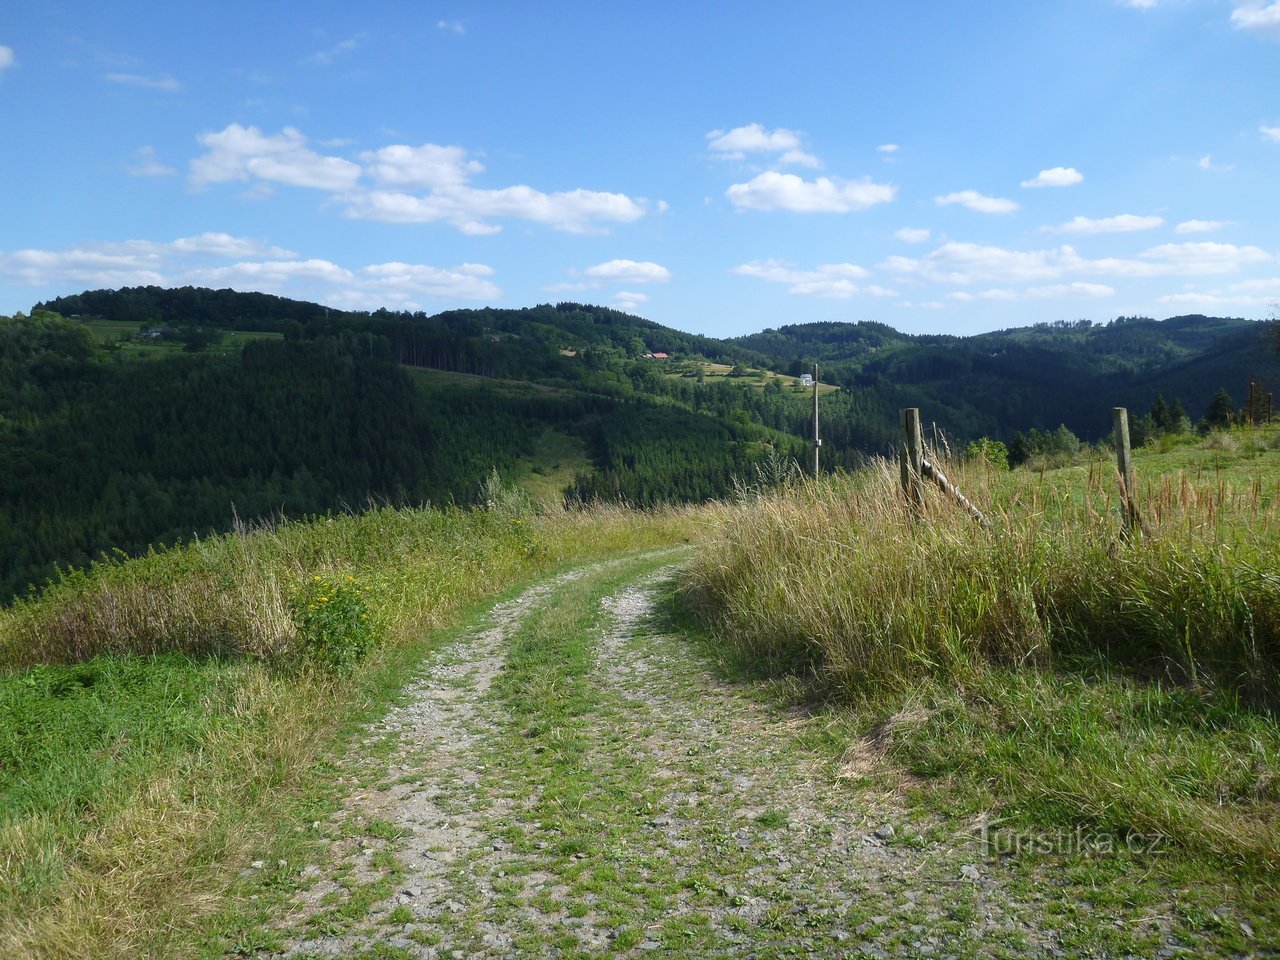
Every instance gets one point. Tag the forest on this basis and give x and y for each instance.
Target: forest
(148, 416)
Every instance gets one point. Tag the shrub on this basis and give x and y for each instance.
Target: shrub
(333, 622)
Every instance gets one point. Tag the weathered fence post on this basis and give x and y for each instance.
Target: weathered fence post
(912, 458)
(1124, 463)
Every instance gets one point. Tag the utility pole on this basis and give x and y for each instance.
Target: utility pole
(817, 440)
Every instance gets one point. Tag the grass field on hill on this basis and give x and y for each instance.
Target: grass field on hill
(158, 720)
(1048, 674)
(126, 336)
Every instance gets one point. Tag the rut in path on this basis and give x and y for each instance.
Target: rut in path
(666, 812)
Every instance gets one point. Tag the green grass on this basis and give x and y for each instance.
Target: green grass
(125, 335)
(1051, 670)
(156, 736)
(557, 459)
(754, 378)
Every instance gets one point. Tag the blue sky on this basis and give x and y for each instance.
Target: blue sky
(720, 168)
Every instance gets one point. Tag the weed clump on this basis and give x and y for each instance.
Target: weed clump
(334, 630)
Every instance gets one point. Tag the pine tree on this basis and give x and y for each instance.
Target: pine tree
(1221, 410)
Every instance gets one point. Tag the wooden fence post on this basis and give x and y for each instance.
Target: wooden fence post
(1124, 463)
(912, 458)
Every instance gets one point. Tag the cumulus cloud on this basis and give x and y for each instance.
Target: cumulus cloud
(1056, 291)
(1205, 257)
(257, 266)
(628, 300)
(6, 58)
(1201, 226)
(245, 153)
(735, 144)
(424, 184)
(145, 163)
(913, 234)
(1055, 177)
(1252, 293)
(1258, 17)
(968, 263)
(888, 148)
(164, 84)
(452, 26)
(1123, 223)
(429, 165)
(1269, 133)
(467, 208)
(975, 201)
(629, 271)
(786, 191)
(832, 280)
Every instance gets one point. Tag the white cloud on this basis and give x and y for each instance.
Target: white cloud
(1205, 257)
(833, 280)
(966, 263)
(452, 26)
(145, 163)
(1258, 17)
(976, 202)
(339, 50)
(786, 191)
(913, 234)
(888, 148)
(754, 138)
(1206, 163)
(429, 165)
(225, 245)
(1124, 223)
(1141, 4)
(1269, 133)
(962, 263)
(1057, 291)
(6, 58)
(629, 271)
(1270, 287)
(1215, 299)
(129, 262)
(1055, 177)
(575, 211)
(244, 153)
(91, 265)
(1201, 226)
(163, 84)
(194, 260)
(627, 300)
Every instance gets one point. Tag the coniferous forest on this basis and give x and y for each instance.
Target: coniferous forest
(147, 416)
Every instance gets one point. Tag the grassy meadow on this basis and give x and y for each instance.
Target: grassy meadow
(157, 716)
(1051, 672)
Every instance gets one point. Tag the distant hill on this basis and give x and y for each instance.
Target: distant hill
(1038, 376)
(150, 415)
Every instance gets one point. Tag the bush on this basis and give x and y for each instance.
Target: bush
(333, 622)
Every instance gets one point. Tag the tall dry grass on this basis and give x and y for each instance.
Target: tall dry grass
(1051, 665)
(842, 578)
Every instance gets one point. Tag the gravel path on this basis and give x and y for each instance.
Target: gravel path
(670, 815)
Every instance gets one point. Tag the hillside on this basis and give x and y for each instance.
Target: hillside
(149, 416)
(518, 731)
